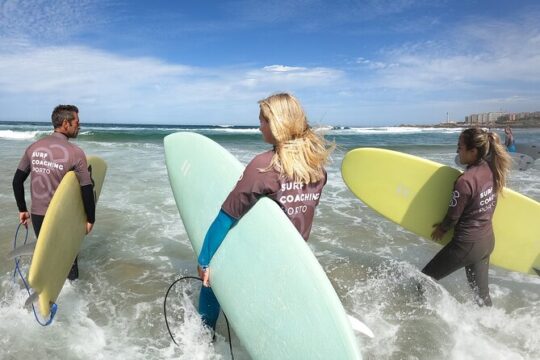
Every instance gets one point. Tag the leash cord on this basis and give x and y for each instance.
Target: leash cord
(167, 322)
(17, 270)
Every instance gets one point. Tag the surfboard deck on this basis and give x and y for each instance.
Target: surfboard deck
(61, 235)
(415, 193)
(276, 296)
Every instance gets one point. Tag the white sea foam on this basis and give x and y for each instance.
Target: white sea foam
(139, 247)
(20, 135)
(394, 130)
(439, 325)
(232, 130)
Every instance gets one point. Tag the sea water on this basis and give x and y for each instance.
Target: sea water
(139, 247)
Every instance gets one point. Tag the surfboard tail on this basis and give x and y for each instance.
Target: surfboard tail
(47, 311)
(31, 299)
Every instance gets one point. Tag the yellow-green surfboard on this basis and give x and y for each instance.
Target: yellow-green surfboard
(415, 193)
(61, 235)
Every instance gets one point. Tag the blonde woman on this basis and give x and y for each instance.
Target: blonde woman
(471, 210)
(291, 173)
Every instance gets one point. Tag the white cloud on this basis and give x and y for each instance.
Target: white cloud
(144, 86)
(87, 71)
(478, 53)
(481, 62)
(296, 76)
(80, 70)
(375, 65)
(282, 68)
(44, 20)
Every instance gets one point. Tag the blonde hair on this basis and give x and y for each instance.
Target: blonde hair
(300, 153)
(489, 148)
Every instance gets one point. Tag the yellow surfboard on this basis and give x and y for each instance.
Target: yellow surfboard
(61, 235)
(415, 193)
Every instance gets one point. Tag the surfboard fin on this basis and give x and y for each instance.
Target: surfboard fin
(360, 327)
(537, 271)
(31, 299)
(23, 250)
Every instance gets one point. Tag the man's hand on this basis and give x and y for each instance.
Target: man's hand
(89, 227)
(24, 218)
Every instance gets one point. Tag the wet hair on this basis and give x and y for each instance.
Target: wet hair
(63, 112)
(490, 149)
(300, 153)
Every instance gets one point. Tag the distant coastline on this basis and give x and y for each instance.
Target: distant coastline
(518, 124)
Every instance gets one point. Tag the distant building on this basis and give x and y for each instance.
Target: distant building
(488, 118)
(508, 118)
(491, 118)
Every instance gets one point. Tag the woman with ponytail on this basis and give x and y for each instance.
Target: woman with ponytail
(291, 173)
(471, 211)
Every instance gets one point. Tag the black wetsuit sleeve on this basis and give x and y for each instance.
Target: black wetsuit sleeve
(18, 189)
(89, 202)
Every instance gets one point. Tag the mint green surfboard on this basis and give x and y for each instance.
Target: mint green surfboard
(274, 292)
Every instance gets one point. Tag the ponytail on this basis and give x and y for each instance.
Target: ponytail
(499, 161)
(490, 149)
(302, 159)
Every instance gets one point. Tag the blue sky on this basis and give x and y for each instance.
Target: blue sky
(355, 63)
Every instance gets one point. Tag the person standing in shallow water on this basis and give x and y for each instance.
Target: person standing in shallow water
(509, 141)
(470, 212)
(291, 173)
(48, 160)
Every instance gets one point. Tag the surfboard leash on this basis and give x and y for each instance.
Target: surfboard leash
(17, 270)
(165, 312)
(16, 259)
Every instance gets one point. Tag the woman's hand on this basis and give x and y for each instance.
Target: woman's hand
(204, 274)
(437, 233)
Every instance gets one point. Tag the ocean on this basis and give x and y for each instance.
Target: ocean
(139, 247)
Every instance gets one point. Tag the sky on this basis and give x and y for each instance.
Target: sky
(357, 63)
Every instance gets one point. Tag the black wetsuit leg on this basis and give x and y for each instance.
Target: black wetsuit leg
(477, 276)
(451, 258)
(37, 221)
(474, 256)
(74, 272)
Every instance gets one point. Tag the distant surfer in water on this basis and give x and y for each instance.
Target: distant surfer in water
(291, 173)
(470, 212)
(509, 139)
(48, 160)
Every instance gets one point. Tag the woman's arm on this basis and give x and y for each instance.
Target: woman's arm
(214, 237)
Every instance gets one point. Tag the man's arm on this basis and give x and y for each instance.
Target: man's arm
(83, 173)
(89, 204)
(18, 189)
